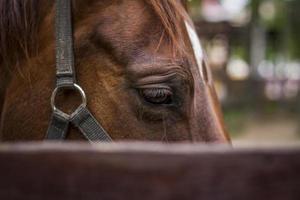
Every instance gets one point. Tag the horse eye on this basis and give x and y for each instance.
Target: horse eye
(157, 95)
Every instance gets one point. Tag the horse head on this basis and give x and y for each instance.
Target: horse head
(139, 62)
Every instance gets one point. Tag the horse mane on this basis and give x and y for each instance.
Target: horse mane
(19, 23)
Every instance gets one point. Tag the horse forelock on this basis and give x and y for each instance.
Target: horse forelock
(172, 15)
(18, 29)
(19, 26)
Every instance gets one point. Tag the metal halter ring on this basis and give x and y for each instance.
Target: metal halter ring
(75, 87)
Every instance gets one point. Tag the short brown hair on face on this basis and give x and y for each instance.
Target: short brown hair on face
(19, 24)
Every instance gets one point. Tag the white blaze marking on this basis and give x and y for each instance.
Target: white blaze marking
(196, 45)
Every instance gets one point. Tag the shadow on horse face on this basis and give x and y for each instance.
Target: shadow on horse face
(136, 62)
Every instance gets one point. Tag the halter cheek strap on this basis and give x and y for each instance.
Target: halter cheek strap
(66, 79)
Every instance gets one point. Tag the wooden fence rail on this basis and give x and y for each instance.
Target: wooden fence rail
(146, 171)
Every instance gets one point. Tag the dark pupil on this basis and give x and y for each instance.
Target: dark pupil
(157, 95)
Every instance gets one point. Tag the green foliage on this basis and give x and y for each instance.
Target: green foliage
(235, 121)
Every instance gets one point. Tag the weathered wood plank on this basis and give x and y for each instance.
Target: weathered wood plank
(148, 171)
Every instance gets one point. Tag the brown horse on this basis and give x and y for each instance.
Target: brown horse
(137, 60)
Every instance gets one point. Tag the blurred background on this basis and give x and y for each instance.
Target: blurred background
(253, 48)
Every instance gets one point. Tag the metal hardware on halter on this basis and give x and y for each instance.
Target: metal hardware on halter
(66, 79)
(73, 86)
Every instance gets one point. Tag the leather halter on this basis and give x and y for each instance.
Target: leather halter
(66, 79)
